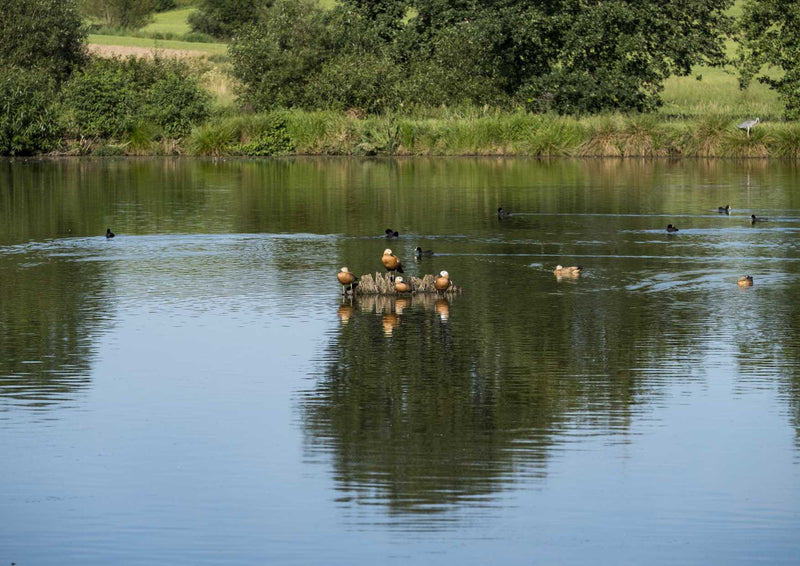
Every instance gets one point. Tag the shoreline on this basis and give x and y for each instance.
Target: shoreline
(454, 133)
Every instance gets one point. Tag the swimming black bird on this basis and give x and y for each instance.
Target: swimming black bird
(754, 219)
(419, 252)
(109, 233)
(391, 233)
(671, 228)
(724, 209)
(503, 213)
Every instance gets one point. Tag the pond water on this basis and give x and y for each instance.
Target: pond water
(196, 390)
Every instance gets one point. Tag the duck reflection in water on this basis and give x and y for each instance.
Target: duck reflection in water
(345, 313)
(401, 304)
(390, 321)
(442, 308)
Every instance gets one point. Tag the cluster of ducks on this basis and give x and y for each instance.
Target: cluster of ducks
(393, 265)
(725, 210)
(574, 271)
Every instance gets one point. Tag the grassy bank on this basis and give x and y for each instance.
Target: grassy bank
(466, 132)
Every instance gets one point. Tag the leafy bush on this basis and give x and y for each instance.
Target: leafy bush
(275, 60)
(164, 5)
(48, 35)
(111, 96)
(223, 18)
(29, 118)
(355, 80)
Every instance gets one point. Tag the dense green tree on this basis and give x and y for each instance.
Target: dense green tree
(223, 18)
(131, 14)
(275, 60)
(47, 35)
(29, 117)
(770, 37)
(569, 56)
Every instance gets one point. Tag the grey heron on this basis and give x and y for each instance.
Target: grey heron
(747, 124)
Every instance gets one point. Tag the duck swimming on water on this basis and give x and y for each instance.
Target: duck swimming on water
(745, 281)
(391, 233)
(754, 219)
(671, 228)
(724, 209)
(503, 213)
(419, 252)
(572, 271)
(109, 233)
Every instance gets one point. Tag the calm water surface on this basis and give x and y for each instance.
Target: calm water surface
(195, 391)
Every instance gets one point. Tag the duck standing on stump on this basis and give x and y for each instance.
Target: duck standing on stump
(401, 286)
(109, 233)
(347, 279)
(391, 262)
(442, 283)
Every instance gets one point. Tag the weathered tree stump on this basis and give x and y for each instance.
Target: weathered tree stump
(381, 284)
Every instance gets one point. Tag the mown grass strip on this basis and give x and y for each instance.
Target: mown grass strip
(127, 41)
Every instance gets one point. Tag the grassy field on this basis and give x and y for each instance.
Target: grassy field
(174, 21)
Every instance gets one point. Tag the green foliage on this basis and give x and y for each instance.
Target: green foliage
(769, 38)
(569, 56)
(275, 60)
(164, 5)
(48, 35)
(212, 139)
(29, 117)
(127, 14)
(268, 137)
(111, 96)
(352, 80)
(223, 18)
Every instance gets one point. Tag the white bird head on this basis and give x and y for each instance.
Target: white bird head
(387, 251)
(443, 274)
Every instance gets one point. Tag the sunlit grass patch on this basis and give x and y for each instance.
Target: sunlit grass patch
(172, 21)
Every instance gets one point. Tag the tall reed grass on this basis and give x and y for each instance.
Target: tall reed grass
(443, 133)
